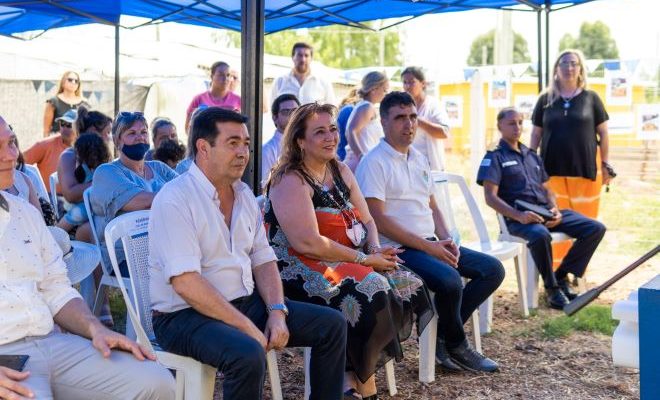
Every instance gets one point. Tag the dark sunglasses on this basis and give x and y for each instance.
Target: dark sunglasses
(64, 124)
(72, 80)
(130, 115)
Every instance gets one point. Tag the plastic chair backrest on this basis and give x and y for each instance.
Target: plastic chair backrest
(132, 229)
(53, 180)
(473, 207)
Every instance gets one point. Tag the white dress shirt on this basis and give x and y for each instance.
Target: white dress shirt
(403, 182)
(270, 152)
(314, 88)
(432, 148)
(33, 281)
(188, 233)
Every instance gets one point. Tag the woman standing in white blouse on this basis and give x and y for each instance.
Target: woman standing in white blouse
(363, 129)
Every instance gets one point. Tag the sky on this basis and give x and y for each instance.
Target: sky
(633, 24)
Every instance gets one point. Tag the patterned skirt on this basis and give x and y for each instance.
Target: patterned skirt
(380, 308)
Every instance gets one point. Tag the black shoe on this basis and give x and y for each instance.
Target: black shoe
(566, 288)
(443, 359)
(352, 394)
(556, 298)
(468, 358)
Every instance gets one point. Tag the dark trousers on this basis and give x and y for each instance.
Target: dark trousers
(587, 233)
(453, 302)
(243, 360)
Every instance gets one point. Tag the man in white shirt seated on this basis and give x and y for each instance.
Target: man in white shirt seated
(282, 108)
(395, 179)
(35, 293)
(208, 254)
(301, 82)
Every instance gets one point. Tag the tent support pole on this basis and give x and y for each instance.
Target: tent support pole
(117, 78)
(547, 42)
(539, 53)
(252, 61)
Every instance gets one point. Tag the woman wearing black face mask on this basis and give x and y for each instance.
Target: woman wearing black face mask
(128, 183)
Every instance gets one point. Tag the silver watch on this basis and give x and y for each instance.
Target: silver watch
(279, 307)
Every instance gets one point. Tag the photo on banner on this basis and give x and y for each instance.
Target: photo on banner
(618, 90)
(453, 106)
(499, 93)
(648, 121)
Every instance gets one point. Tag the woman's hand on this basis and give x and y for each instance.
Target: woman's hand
(381, 262)
(390, 252)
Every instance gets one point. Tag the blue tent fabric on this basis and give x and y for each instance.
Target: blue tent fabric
(39, 15)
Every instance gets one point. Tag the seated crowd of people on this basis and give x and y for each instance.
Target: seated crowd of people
(339, 257)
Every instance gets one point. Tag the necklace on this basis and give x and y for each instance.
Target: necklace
(567, 100)
(321, 182)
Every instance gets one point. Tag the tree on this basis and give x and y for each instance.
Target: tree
(594, 40)
(335, 45)
(520, 50)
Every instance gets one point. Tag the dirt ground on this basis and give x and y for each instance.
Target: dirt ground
(531, 367)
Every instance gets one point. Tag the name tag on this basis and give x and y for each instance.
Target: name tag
(485, 162)
(509, 163)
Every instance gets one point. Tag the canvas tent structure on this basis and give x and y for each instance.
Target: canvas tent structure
(254, 19)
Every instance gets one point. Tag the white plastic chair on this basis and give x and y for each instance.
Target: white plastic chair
(53, 180)
(194, 379)
(107, 280)
(482, 318)
(529, 266)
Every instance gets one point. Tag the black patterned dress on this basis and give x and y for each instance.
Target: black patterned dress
(379, 307)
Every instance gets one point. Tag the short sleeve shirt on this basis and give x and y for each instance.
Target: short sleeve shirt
(403, 182)
(231, 101)
(432, 148)
(314, 88)
(569, 140)
(518, 175)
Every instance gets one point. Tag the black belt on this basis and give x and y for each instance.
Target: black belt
(155, 313)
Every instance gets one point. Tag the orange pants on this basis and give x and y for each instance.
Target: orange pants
(578, 194)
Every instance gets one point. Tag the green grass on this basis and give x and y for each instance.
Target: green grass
(594, 318)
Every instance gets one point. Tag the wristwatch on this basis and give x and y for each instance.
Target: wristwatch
(279, 307)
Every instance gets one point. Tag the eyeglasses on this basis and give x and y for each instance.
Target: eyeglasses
(65, 124)
(285, 112)
(567, 64)
(72, 80)
(130, 114)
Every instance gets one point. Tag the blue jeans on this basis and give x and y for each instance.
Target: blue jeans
(453, 302)
(243, 360)
(587, 233)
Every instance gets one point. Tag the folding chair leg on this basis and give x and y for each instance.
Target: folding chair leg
(522, 290)
(427, 346)
(274, 375)
(476, 330)
(486, 315)
(98, 301)
(307, 359)
(389, 376)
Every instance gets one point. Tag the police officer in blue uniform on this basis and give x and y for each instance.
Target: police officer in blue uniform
(513, 172)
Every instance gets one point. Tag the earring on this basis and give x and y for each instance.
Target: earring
(302, 151)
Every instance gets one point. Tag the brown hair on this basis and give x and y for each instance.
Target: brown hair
(60, 88)
(302, 45)
(351, 98)
(291, 158)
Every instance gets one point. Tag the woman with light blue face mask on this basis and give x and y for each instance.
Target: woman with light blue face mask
(128, 183)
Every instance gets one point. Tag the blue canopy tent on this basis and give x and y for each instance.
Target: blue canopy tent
(254, 19)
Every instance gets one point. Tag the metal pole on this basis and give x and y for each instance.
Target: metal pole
(539, 63)
(117, 78)
(252, 59)
(547, 43)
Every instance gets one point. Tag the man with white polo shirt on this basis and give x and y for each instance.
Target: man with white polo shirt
(395, 179)
(301, 81)
(283, 106)
(216, 292)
